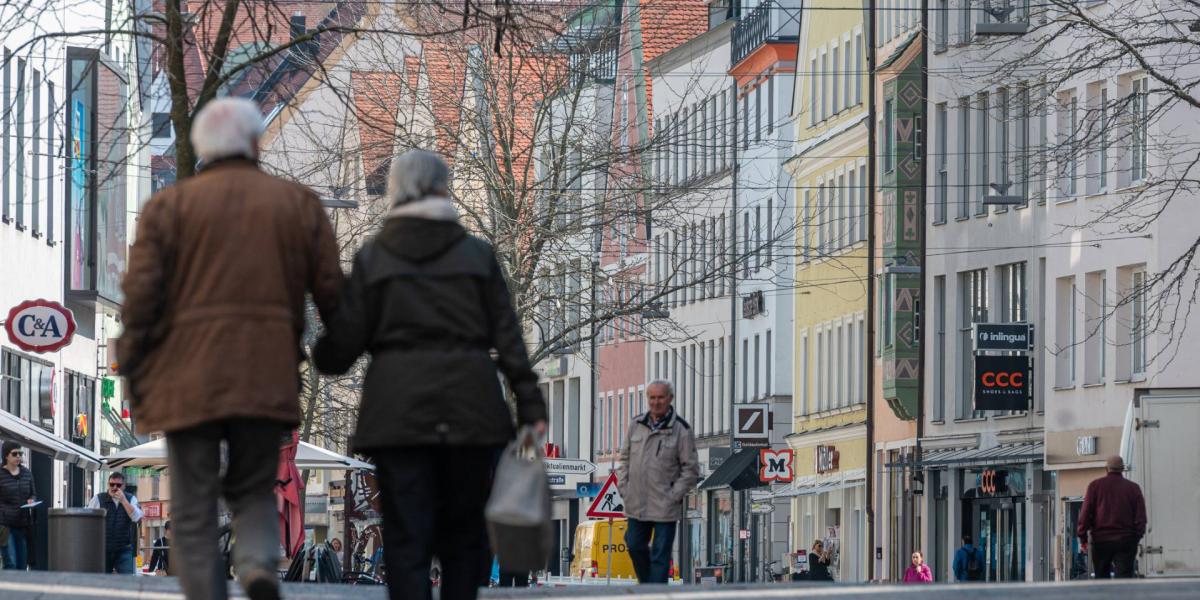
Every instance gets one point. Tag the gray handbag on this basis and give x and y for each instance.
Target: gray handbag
(518, 511)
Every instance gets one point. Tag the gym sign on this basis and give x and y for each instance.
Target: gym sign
(40, 326)
(1002, 382)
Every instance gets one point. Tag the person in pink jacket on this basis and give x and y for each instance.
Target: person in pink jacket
(918, 571)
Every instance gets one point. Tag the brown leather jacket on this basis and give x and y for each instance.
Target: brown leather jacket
(214, 297)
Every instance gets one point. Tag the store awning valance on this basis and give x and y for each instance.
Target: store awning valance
(37, 439)
(1006, 454)
(153, 454)
(738, 472)
(819, 488)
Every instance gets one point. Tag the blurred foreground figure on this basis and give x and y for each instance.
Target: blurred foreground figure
(214, 312)
(429, 302)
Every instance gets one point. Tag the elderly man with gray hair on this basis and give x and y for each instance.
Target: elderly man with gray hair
(430, 303)
(213, 318)
(657, 470)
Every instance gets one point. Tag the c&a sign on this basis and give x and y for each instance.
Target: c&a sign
(1002, 382)
(40, 326)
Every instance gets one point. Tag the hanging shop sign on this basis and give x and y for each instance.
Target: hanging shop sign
(827, 459)
(40, 326)
(776, 465)
(1003, 336)
(1002, 382)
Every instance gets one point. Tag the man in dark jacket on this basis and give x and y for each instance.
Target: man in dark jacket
(121, 512)
(430, 304)
(1114, 513)
(213, 316)
(160, 559)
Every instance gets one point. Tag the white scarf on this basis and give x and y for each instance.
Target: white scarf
(434, 208)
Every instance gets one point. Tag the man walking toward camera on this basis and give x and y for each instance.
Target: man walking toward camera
(122, 512)
(1114, 512)
(658, 468)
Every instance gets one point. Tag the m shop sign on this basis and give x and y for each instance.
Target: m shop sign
(40, 326)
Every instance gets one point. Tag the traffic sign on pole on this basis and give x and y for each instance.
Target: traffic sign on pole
(608, 504)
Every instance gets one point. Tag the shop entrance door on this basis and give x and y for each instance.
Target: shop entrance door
(1000, 531)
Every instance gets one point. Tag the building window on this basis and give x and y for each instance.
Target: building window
(834, 87)
(858, 60)
(973, 308)
(942, 32)
(6, 200)
(21, 150)
(802, 375)
(770, 230)
(1141, 124)
(983, 151)
(939, 348)
(26, 388)
(757, 365)
(1096, 328)
(1002, 169)
(745, 369)
(771, 104)
(824, 90)
(848, 73)
(964, 157)
(813, 91)
(758, 114)
(770, 371)
(942, 185)
(1065, 333)
(1022, 145)
(51, 108)
(721, 384)
(889, 135)
(865, 215)
(161, 123)
(745, 245)
(758, 245)
(1012, 293)
(35, 205)
(1103, 167)
(1140, 324)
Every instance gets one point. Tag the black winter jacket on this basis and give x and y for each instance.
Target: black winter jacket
(15, 491)
(430, 303)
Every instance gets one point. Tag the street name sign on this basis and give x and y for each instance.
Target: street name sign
(569, 466)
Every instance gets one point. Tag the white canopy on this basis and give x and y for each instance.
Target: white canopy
(31, 436)
(308, 456)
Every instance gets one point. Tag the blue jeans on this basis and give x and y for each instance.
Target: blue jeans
(16, 553)
(651, 556)
(120, 561)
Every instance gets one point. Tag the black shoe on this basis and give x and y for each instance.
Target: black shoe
(261, 585)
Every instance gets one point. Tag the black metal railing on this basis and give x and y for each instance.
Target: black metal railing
(594, 65)
(771, 21)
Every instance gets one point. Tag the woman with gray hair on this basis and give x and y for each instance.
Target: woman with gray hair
(430, 304)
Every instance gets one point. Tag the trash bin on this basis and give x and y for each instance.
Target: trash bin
(77, 539)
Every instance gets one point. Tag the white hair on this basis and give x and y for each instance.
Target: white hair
(663, 382)
(415, 175)
(227, 128)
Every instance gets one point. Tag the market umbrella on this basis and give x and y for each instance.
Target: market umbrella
(287, 497)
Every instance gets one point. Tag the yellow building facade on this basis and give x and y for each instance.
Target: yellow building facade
(829, 168)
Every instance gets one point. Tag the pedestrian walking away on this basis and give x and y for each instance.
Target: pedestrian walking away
(16, 490)
(1113, 517)
(122, 511)
(160, 559)
(213, 316)
(918, 571)
(431, 305)
(968, 562)
(658, 467)
(819, 559)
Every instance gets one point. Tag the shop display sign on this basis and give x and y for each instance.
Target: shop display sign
(827, 459)
(40, 326)
(1002, 382)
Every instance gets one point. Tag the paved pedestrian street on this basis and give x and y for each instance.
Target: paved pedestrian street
(77, 586)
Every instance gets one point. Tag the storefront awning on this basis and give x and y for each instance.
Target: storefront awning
(738, 472)
(998, 455)
(820, 488)
(37, 439)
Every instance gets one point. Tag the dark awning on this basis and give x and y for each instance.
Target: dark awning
(738, 472)
(39, 440)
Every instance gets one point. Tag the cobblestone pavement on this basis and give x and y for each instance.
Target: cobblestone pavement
(61, 586)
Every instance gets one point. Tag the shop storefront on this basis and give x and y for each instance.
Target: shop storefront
(829, 500)
(1003, 499)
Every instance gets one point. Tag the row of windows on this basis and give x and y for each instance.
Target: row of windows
(1119, 321)
(616, 410)
(28, 146)
(896, 17)
(835, 213)
(1002, 145)
(697, 141)
(836, 72)
(833, 366)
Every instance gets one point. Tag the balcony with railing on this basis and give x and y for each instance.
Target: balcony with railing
(596, 64)
(774, 21)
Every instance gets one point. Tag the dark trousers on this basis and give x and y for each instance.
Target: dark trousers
(16, 553)
(119, 561)
(651, 556)
(194, 457)
(1116, 557)
(433, 499)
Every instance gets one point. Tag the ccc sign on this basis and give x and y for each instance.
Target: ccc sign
(1002, 379)
(1002, 382)
(992, 481)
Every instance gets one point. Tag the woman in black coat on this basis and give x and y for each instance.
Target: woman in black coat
(430, 304)
(16, 490)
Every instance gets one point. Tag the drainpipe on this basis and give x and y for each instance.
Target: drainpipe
(871, 324)
(740, 497)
